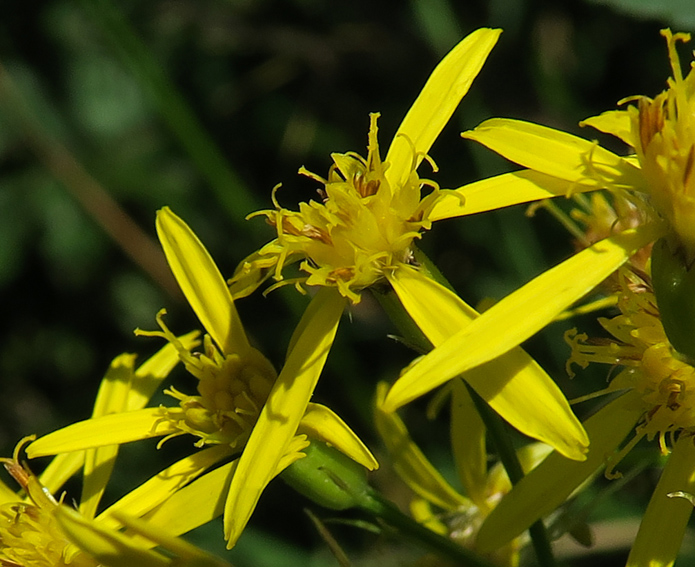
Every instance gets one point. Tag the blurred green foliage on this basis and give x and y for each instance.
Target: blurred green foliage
(205, 105)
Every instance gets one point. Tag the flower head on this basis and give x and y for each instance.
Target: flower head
(362, 229)
(36, 530)
(662, 132)
(243, 408)
(655, 183)
(436, 504)
(651, 366)
(362, 232)
(370, 210)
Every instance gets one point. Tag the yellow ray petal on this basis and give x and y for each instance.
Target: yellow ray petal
(320, 422)
(614, 122)
(410, 463)
(108, 547)
(160, 487)
(209, 493)
(112, 397)
(468, 444)
(549, 484)
(557, 153)
(430, 112)
(281, 414)
(98, 466)
(187, 555)
(201, 282)
(106, 430)
(518, 316)
(514, 384)
(663, 524)
(502, 191)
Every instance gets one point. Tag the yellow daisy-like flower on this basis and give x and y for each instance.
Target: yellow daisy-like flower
(660, 400)
(658, 182)
(458, 517)
(243, 407)
(362, 233)
(38, 531)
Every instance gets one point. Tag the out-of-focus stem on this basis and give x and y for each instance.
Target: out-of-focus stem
(86, 190)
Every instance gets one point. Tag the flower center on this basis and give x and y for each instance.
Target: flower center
(232, 391)
(29, 532)
(362, 228)
(651, 366)
(664, 136)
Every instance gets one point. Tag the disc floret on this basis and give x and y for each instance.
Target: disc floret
(232, 390)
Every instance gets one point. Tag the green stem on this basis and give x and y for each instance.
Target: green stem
(510, 461)
(412, 335)
(333, 480)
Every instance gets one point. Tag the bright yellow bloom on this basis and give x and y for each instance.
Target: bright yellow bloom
(38, 531)
(659, 399)
(459, 517)
(242, 407)
(657, 182)
(362, 233)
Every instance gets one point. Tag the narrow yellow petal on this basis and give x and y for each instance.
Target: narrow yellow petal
(115, 386)
(558, 154)
(468, 444)
(548, 485)
(160, 487)
(187, 555)
(518, 316)
(112, 397)
(435, 104)
(201, 282)
(98, 466)
(98, 432)
(208, 493)
(663, 524)
(108, 547)
(320, 422)
(410, 463)
(281, 414)
(503, 191)
(514, 384)
(617, 123)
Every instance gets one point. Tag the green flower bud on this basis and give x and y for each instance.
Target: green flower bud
(328, 477)
(674, 288)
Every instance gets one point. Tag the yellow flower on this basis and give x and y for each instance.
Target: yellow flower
(38, 531)
(362, 232)
(656, 182)
(370, 210)
(243, 407)
(459, 516)
(661, 402)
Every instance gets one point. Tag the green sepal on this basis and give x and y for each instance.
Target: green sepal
(673, 279)
(328, 477)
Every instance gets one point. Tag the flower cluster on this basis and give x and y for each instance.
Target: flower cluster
(250, 421)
